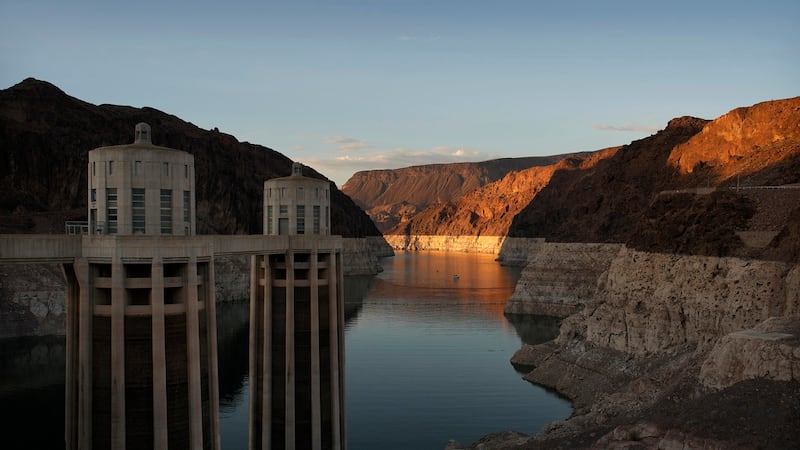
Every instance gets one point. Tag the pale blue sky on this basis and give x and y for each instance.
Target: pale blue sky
(352, 85)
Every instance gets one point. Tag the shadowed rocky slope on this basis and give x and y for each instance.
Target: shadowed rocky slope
(654, 194)
(603, 202)
(757, 145)
(45, 136)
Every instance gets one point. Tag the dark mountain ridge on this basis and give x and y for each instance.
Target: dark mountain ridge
(45, 136)
(601, 203)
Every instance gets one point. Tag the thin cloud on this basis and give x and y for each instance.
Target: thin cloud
(627, 128)
(346, 144)
(399, 157)
(355, 155)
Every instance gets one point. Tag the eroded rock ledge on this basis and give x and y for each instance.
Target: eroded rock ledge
(675, 351)
(560, 278)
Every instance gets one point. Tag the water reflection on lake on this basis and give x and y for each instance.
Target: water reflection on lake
(428, 356)
(427, 360)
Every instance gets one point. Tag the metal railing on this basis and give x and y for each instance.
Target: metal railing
(76, 227)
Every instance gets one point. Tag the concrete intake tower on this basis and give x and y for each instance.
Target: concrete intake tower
(141, 322)
(297, 323)
(141, 366)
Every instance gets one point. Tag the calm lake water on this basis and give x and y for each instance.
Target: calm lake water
(427, 360)
(428, 356)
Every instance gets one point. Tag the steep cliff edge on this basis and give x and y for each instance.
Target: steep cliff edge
(693, 335)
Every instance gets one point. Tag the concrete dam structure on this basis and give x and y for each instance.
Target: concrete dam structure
(297, 324)
(141, 318)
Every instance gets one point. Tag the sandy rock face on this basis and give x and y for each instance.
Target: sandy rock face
(560, 278)
(771, 350)
(361, 255)
(467, 243)
(649, 303)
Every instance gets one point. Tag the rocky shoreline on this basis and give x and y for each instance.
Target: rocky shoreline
(668, 351)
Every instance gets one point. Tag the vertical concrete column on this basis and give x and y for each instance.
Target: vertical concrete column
(193, 357)
(333, 314)
(340, 330)
(160, 436)
(316, 421)
(211, 336)
(290, 371)
(72, 362)
(266, 356)
(118, 301)
(85, 310)
(254, 353)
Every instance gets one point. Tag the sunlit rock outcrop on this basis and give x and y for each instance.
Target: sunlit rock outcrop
(394, 196)
(743, 143)
(467, 244)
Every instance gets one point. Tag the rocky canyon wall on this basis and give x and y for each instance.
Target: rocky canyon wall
(694, 335)
(739, 317)
(650, 303)
(467, 244)
(517, 251)
(362, 255)
(559, 278)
